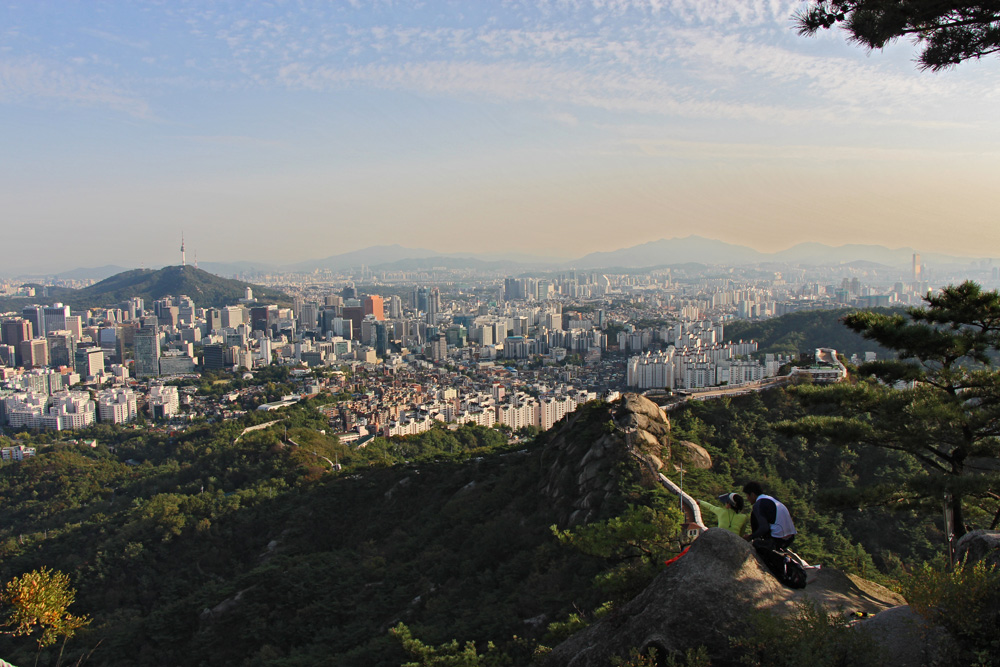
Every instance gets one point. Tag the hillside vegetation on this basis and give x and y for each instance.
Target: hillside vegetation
(206, 289)
(193, 549)
(804, 331)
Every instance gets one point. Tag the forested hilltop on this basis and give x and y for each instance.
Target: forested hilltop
(803, 331)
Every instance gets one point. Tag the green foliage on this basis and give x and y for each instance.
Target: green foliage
(948, 32)
(450, 654)
(641, 532)
(694, 657)
(561, 630)
(37, 602)
(637, 542)
(965, 601)
(802, 332)
(948, 417)
(811, 636)
(819, 481)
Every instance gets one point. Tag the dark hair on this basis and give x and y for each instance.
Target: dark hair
(753, 488)
(737, 502)
(732, 499)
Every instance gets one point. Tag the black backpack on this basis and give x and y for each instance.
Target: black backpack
(784, 567)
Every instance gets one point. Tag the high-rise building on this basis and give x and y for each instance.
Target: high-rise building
(15, 331)
(395, 307)
(373, 305)
(214, 357)
(62, 345)
(34, 353)
(433, 305)
(36, 315)
(916, 268)
(147, 353)
(55, 318)
(89, 361)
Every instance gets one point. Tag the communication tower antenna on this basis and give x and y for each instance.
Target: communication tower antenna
(183, 261)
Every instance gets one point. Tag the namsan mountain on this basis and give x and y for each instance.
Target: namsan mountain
(207, 289)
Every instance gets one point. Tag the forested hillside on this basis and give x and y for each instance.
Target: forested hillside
(804, 331)
(203, 549)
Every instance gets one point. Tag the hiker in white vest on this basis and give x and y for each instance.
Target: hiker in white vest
(770, 523)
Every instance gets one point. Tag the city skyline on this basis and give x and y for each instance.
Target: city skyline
(278, 134)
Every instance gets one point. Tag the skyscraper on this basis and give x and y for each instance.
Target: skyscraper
(147, 353)
(374, 305)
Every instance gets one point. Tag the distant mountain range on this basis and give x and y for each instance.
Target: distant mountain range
(664, 252)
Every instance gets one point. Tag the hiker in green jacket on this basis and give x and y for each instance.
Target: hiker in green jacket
(728, 516)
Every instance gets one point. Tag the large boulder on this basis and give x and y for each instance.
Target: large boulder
(979, 545)
(694, 455)
(706, 597)
(908, 637)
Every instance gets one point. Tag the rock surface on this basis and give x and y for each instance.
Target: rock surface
(585, 458)
(907, 638)
(979, 545)
(694, 456)
(704, 598)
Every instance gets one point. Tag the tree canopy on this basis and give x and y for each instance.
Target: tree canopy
(949, 32)
(946, 413)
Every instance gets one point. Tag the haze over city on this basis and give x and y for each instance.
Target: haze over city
(282, 132)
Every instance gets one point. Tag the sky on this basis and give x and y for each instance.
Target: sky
(292, 130)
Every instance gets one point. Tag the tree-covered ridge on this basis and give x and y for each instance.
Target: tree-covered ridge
(444, 531)
(206, 289)
(204, 547)
(804, 331)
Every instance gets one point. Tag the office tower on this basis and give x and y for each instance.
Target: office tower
(89, 361)
(308, 316)
(36, 315)
(214, 357)
(916, 268)
(61, 344)
(349, 292)
(233, 316)
(185, 309)
(147, 353)
(15, 331)
(395, 307)
(381, 339)
(55, 318)
(355, 314)
(34, 353)
(433, 305)
(135, 307)
(373, 305)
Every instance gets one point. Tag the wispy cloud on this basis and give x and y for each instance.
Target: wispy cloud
(116, 39)
(28, 80)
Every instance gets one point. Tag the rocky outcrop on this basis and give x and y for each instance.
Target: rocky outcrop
(908, 637)
(584, 460)
(979, 545)
(693, 456)
(704, 598)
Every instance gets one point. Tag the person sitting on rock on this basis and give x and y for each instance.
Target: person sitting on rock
(770, 523)
(728, 516)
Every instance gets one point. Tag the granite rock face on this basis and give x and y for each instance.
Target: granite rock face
(979, 545)
(586, 457)
(706, 597)
(693, 455)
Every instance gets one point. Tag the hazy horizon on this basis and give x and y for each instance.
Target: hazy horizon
(284, 133)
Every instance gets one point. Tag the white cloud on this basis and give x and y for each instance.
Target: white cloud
(28, 80)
